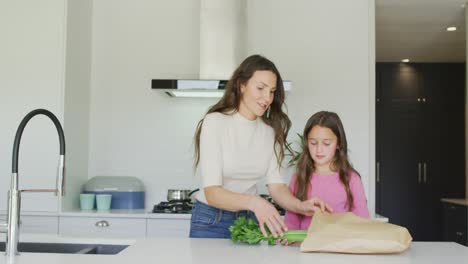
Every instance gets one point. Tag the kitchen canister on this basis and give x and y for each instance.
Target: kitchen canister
(127, 192)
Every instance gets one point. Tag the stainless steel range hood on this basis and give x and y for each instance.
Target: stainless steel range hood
(196, 88)
(190, 88)
(223, 30)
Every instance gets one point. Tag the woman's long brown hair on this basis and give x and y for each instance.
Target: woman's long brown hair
(305, 165)
(231, 99)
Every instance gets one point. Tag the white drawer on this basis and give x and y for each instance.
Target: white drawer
(168, 227)
(39, 224)
(33, 224)
(102, 226)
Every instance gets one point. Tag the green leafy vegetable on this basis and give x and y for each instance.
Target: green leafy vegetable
(294, 154)
(248, 231)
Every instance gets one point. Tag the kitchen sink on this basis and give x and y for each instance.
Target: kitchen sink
(67, 248)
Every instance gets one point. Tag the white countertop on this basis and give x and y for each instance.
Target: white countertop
(215, 251)
(140, 213)
(455, 201)
(125, 214)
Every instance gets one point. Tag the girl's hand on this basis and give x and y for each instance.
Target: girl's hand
(267, 215)
(283, 242)
(308, 207)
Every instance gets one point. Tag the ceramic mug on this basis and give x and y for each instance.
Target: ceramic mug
(87, 201)
(103, 201)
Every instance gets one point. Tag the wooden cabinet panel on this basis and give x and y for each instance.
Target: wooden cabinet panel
(398, 155)
(420, 135)
(455, 223)
(168, 227)
(106, 227)
(37, 224)
(102, 227)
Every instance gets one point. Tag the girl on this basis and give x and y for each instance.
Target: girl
(323, 170)
(239, 142)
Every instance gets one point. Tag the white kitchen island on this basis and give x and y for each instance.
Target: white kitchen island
(216, 251)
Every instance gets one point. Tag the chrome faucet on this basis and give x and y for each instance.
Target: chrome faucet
(14, 195)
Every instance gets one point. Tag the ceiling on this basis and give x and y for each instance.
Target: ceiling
(416, 29)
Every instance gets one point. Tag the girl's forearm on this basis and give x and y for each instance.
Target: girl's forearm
(283, 196)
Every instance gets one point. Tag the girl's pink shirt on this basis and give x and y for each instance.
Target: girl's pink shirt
(330, 189)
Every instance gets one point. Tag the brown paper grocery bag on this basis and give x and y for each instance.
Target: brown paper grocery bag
(348, 233)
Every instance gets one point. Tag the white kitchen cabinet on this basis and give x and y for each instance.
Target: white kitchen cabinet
(102, 227)
(105, 225)
(43, 61)
(160, 227)
(36, 224)
(33, 224)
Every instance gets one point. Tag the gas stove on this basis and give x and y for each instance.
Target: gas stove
(185, 206)
(173, 207)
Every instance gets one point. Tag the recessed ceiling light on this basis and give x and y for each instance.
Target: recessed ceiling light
(451, 28)
(405, 60)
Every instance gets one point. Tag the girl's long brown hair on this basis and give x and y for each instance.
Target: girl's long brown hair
(305, 165)
(231, 99)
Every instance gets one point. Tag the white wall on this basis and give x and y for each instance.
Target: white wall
(135, 130)
(466, 110)
(324, 47)
(77, 97)
(372, 115)
(31, 76)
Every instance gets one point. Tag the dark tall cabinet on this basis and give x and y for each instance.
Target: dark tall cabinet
(420, 143)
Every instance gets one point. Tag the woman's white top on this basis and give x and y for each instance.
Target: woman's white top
(236, 153)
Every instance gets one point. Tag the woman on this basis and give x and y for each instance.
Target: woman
(240, 142)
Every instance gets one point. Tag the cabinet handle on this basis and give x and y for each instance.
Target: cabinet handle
(425, 172)
(378, 171)
(419, 172)
(102, 223)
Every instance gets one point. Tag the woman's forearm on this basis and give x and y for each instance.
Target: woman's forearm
(282, 195)
(219, 197)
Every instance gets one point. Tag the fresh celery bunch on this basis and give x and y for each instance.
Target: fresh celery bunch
(248, 231)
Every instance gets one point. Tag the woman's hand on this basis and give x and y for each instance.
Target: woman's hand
(308, 207)
(267, 215)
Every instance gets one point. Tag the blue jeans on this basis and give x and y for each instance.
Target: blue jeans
(211, 222)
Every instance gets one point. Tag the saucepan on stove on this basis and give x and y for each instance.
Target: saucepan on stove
(180, 195)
